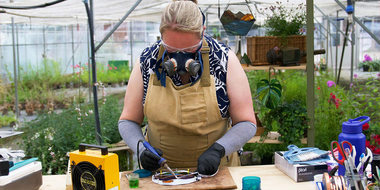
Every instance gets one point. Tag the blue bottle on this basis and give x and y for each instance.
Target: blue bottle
(352, 132)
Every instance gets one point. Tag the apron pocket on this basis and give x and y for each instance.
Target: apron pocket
(193, 108)
(179, 148)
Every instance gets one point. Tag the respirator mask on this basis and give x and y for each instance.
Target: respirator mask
(181, 63)
(183, 60)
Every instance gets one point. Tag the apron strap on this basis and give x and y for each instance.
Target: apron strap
(161, 51)
(205, 78)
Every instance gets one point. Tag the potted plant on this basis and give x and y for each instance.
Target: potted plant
(322, 64)
(284, 22)
(269, 94)
(284, 28)
(291, 120)
(368, 64)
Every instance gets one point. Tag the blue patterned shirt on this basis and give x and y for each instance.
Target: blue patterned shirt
(218, 58)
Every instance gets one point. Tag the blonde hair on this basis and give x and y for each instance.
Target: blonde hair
(183, 16)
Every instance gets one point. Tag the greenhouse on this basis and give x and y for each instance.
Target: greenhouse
(66, 85)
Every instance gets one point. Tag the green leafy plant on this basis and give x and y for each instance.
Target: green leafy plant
(6, 120)
(51, 135)
(282, 21)
(294, 86)
(269, 91)
(291, 119)
(373, 65)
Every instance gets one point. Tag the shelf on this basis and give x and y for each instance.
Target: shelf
(277, 67)
(273, 140)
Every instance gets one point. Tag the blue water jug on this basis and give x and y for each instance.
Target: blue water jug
(352, 132)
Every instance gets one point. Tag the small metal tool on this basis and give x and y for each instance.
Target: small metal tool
(162, 161)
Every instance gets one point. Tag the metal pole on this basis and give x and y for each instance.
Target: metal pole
(310, 71)
(89, 67)
(14, 69)
(331, 48)
(98, 134)
(336, 46)
(43, 33)
(357, 46)
(18, 54)
(130, 43)
(117, 25)
(72, 46)
(327, 44)
(352, 47)
(343, 48)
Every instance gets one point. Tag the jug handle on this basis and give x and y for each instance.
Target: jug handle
(360, 118)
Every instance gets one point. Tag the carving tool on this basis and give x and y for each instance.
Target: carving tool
(162, 161)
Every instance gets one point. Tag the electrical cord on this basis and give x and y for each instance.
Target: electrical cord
(138, 152)
(33, 7)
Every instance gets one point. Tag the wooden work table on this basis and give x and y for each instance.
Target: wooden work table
(271, 179)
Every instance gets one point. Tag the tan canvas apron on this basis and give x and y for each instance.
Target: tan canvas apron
(183, 121)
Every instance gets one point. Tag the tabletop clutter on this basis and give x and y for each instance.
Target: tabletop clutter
(16, 173)
(345, 166)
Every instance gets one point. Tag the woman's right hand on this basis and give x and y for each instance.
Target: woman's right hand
(149, 160)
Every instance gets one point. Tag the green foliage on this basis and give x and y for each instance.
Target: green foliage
(373, 65)
(117, 74)
(294, 86)
(284, 22)
(51, 136)
(264, 150)
(5, 120)
(269, 91)
(291, 119)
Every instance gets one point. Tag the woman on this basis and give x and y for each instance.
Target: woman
(188, 86)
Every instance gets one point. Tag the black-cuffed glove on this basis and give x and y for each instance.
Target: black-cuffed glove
(209, 160)
(149, 160)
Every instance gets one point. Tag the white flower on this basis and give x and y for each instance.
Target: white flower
(104, 99)
(78, 118)
(78, 109)
(80, 114)
(85, 114)
(81, 124)
(68, 154)
(49, 148)
(96, 84)
(49, 112)
(90, 112)
(104, 103)
(52, 154)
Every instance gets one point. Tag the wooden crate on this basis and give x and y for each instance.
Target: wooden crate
(258, 46)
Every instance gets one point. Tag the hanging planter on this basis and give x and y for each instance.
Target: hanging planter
(238, 24)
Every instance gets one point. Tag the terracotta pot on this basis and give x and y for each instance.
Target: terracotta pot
(260, 128)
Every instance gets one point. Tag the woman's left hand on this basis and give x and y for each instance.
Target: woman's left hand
(209, 160)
